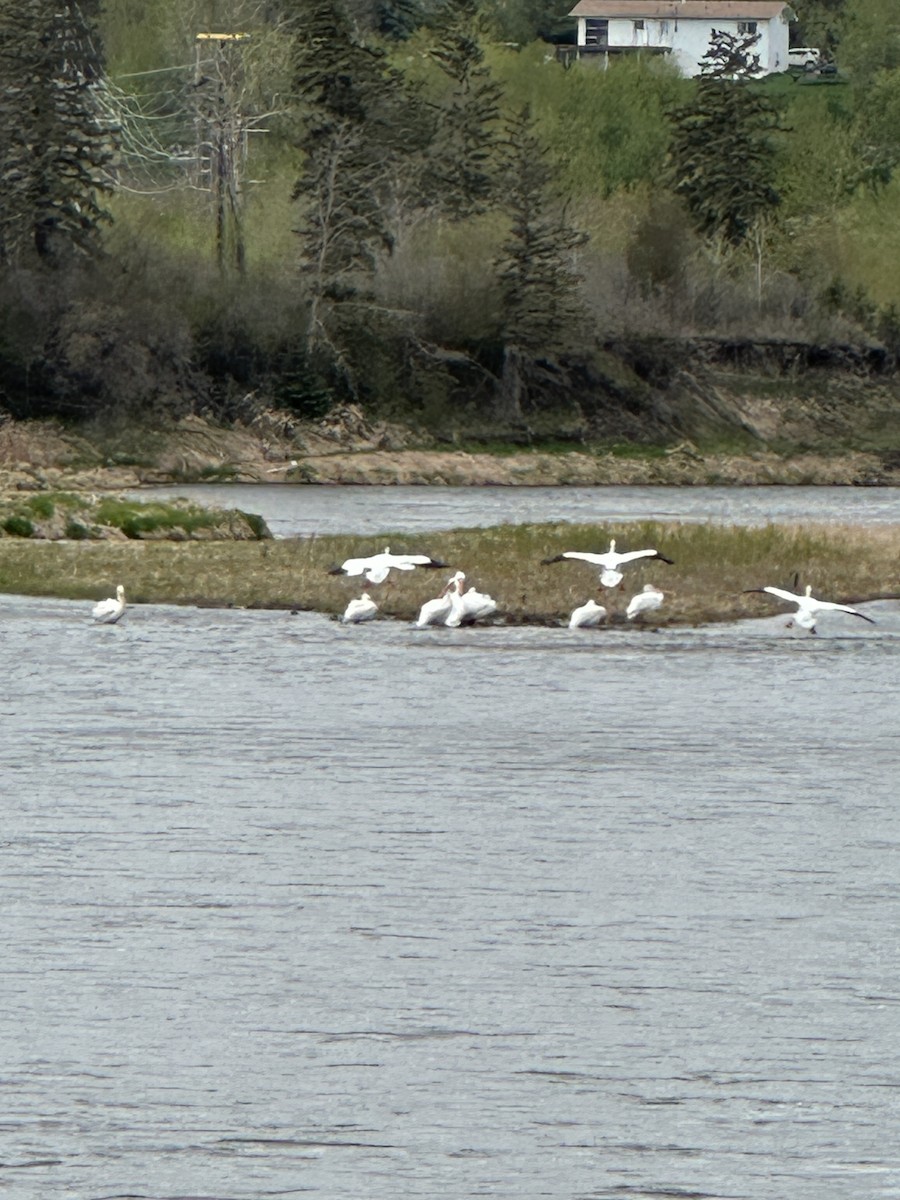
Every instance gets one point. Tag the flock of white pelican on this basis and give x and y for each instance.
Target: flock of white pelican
(457, 605)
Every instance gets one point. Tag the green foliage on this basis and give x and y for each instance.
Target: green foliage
(543, 311)
(522, 21)
(819, 162)
(606, 130)
(722, 152)
(353, 143)
(662, 245)
(465, 156)
(399, 18)
(41, 506)
(77, 531)
(18, 526)
(870, 40)
(257, 525)
(439, 274)
(820, 23)
(143, 37)
(375, 282)
(298, 384)
(136, 519)
(56, 144)
(855, 304)
(879, 125)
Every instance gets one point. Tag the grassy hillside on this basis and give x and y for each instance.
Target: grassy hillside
(245, 271)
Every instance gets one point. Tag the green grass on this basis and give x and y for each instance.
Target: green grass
(712, 566)
(84, 515)
(135, 519)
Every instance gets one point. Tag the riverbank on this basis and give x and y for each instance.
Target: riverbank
(712, 566)
(347, 449)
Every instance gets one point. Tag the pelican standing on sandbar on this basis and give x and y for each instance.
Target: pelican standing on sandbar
(588, 616)
(644, 602)
(808, 607)
(467, 607)
(608, 562)
(436, 611)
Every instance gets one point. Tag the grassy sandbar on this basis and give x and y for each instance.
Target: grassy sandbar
(712, 566)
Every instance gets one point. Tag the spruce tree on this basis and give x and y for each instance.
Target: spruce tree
(358, 132)
(543, 314)
(722, 158)
(465, 153)
(352, 131)
(56, 147)
(399, 18)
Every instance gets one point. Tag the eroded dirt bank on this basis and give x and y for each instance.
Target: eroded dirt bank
(37, 456)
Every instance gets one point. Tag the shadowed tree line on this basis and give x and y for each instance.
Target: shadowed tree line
(440, 265)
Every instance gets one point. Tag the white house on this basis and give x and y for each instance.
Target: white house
(681, 28)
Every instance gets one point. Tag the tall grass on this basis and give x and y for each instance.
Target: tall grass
(712, 566)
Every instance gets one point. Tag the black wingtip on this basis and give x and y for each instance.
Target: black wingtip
(436, 562)
(336, 571)
(662, 558)
(545, 562)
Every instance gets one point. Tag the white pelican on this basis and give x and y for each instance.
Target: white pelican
(467, 607)
(808, 607)
(363, 609)
(436, 611)
(644, 602)
(107, 612)
(588, 616)
(609, 562)
(377, 567)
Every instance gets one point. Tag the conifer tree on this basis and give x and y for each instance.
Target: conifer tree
(399, 18)
(466, 150)
(354, 125)
(543, 314)
(55, 146)
(722, 159)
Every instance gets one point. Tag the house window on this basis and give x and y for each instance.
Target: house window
(746, 27)
(638, 25)
(596, 32)
(664, 28)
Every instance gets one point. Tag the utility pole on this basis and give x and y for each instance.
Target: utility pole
(222, 138)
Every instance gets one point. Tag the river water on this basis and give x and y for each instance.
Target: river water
(292, 908)
(305, 510)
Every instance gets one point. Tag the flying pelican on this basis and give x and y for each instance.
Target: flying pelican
(468, 606)
(644, 602)
(107, 612)
(363, 609)
(377, 567)
(588, 616)
(808, 607)
(609, 563)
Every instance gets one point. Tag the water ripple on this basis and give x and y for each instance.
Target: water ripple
(390, 916)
